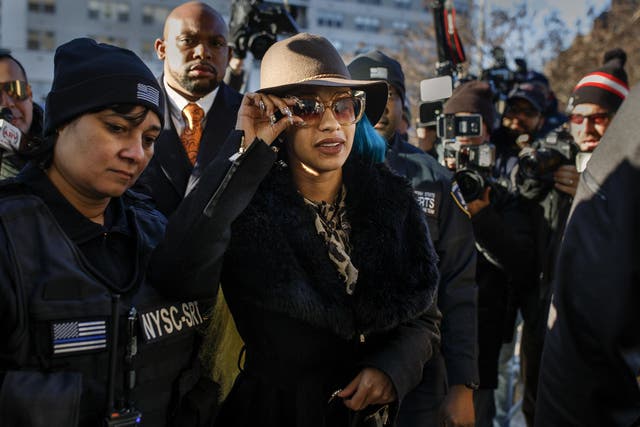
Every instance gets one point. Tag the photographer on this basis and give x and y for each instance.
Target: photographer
(18, 109)
(547, 176)
(520, 124)
(502, 233)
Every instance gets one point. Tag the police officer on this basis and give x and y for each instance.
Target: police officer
(86, 338)
(432, 401)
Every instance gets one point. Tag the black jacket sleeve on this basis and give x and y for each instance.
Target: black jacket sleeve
(458, 293)
(403, 357)
(504, 235)
(188, 262)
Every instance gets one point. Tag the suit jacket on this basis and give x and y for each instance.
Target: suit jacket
(167, 176)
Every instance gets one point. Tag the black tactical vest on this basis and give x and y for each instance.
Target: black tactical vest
(67, 326)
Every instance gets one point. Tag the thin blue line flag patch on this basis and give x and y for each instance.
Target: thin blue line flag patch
(72, 337)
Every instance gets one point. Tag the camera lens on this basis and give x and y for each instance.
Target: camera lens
(471, 184)
(541, 163)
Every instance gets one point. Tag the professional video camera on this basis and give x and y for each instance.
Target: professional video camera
(254, 26)
(473, 164)
(500, 76)
(547, 154)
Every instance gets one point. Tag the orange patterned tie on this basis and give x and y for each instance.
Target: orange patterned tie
(192, 131)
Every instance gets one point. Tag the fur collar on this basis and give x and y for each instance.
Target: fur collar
(277, 261)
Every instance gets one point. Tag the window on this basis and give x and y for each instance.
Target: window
(400, 27)
(402, 4)
(104, 10)
(41, 40)
(44, 6)
(365, 23)
(152, 14)
(329, 19)
(116, 41)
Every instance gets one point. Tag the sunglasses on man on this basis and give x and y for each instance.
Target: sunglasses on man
(596, 118)
(17, 89)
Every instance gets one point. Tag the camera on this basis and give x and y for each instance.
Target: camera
(556, 149)
(429, 112)
(254, 26)
(473, 167)
(473, 164)
(449, 126)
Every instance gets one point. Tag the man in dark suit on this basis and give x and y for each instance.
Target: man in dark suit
(195, 51)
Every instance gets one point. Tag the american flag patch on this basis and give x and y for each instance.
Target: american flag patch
(71, 337)
(148, 93)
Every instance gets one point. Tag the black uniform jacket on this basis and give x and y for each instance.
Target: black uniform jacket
(452, 237)
(50, 384)
(591, 358)
(167, 176)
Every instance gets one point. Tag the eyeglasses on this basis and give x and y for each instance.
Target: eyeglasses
(346, 109)
(16, 89)
(596, 118)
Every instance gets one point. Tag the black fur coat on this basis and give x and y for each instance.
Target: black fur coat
(303, 332)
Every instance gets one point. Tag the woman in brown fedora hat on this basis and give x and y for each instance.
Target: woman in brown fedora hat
(330, 273)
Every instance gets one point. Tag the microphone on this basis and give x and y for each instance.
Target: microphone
(10, 136)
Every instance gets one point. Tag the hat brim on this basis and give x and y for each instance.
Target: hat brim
(529, 99)
(376, 92)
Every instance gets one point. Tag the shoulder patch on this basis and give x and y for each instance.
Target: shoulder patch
(429, 202)
(457, 197)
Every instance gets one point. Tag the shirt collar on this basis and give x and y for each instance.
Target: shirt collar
(178, 102)
(78, 227)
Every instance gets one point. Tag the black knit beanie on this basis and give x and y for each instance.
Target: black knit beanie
(474, 96)
(375, 65)
(607, 86)
(88, 75)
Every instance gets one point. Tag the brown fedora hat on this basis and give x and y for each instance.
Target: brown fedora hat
(309, 60)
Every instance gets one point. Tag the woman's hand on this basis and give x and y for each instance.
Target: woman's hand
(371, 386)
(566, 179)
(257, 117)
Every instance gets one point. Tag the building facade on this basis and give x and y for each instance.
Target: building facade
(32, 29)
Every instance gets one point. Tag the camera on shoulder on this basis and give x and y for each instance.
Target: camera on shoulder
(254, 26)
(547, 154)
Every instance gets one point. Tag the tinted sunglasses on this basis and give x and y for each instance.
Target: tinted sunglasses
(16, 89)
(347, 109)
(596, 118)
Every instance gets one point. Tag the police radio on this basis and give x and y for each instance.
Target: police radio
(127, 416)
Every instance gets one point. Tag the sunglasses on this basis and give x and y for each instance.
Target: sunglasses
(347, 109)
(596, 118)
(16, 89)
